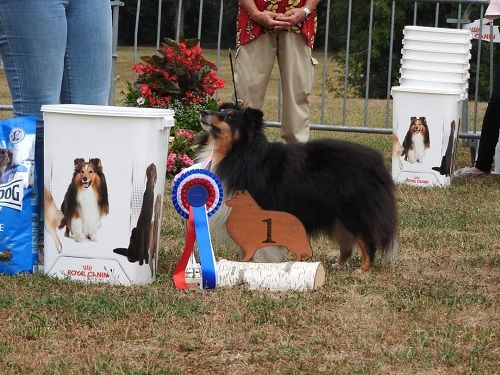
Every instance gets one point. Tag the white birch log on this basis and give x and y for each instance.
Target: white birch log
(284, 276)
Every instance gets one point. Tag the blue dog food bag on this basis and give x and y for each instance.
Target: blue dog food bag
(18, 199)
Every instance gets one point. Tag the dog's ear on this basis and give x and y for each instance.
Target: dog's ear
(96, 162)
(78, 161)
(254, 115)
(423, 120)
(413, 119)
(227, 105)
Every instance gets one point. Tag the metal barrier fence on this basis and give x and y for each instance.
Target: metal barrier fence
(471, 135)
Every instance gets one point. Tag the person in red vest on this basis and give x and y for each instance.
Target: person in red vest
(282, 29)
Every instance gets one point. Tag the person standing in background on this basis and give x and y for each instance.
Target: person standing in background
(282, 29)
(491, 121)
(55, 51)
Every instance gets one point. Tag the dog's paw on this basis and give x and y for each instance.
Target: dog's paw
(92, 237)
(78, 238)
(337, 266)
(361, 271)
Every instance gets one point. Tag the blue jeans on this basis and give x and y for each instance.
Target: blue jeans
(55, 51)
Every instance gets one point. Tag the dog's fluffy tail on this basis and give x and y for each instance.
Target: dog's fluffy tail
(389, 252)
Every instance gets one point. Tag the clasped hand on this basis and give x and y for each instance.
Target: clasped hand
(280, 21)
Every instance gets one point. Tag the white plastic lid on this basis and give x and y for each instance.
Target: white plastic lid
(103, 110)
(442, 30)
(464, 53)
(438, 39)
(463, 81)
(422, 90)
(465, 65)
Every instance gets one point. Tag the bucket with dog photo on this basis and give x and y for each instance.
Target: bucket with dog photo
(104, 183)
(426, 124)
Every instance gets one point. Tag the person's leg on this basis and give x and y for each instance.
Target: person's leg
(297, 70)
(87, 70)
(32, 44)
(490, 129)
(252, 71)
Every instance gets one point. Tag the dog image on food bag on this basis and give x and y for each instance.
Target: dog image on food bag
(86, 200)
(336, 188)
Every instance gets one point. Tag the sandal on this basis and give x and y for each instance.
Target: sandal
(470, 172)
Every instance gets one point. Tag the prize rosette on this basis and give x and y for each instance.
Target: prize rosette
(196, 195)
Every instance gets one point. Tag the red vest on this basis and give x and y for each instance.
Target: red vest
(247, 30)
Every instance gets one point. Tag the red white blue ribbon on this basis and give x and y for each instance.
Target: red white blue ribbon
(196, 195)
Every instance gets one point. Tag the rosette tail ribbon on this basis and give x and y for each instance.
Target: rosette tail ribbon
(196, 195)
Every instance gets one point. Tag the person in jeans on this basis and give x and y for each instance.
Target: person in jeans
(491, 121)
(55, 51)
(282, 29)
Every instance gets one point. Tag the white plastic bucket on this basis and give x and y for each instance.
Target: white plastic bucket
(436, 45)
(125, 146)
(430, 55)
(441, 111)
(437, 33)
(428, 74)
(439, 66)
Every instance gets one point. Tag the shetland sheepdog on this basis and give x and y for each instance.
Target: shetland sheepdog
(447, 167)
(155, 232)
(86, 201)
(52, 217)
(140, 237)
(336, 188)
(416, 141)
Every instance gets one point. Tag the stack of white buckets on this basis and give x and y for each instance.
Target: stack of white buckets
(427, 106)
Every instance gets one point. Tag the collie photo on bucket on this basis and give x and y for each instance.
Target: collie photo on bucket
(417, 140)
(86, 200)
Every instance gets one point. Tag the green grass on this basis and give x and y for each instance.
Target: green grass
(434, 310)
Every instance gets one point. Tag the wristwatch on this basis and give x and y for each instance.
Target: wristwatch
(307, 12)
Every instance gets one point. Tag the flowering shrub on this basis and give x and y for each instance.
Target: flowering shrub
(177, 72)
(180, 78)
(181, 151)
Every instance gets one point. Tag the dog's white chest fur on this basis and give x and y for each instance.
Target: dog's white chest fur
(90, 218)
(417, 152)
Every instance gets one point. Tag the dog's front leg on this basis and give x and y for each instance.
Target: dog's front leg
(92, 233)
(77, 229)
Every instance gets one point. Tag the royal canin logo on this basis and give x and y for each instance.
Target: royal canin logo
(87, 273)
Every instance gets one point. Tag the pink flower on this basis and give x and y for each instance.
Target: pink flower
(182, 133)
(172, 156)
(186, 160)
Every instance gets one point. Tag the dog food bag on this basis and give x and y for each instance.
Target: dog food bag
(18, 198)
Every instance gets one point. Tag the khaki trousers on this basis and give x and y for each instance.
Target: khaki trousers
(253, 66)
